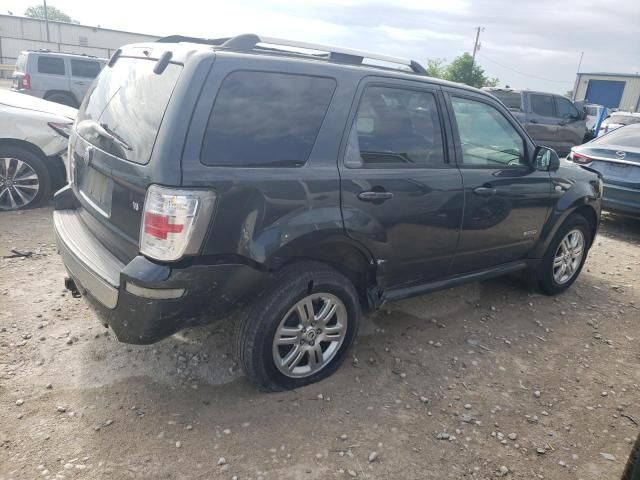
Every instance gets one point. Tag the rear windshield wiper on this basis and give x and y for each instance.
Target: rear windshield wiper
(115, 137)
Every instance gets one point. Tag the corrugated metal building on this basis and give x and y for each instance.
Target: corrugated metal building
(23, 33)
(613, 90)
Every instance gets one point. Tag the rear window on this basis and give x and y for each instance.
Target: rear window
(51, 65)
(621, 137)
(85, 68)
(542, 105)
(511, 100)
(623, 119)
(264, 119)
(122, 111)
(21, 62)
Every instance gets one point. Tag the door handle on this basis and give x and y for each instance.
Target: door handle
(372, 196)
(533, 121)
(80, 83)
(485, 191)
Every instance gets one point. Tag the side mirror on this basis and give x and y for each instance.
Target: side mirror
(546, 159)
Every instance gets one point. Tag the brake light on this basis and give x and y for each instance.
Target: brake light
(26, 81)
(174, 222)
(580, 158)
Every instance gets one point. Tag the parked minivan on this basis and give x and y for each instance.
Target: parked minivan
(58, 77)
(293, 186)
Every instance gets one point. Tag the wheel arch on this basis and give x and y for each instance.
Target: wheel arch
(54, 164)
(66, 93)
(589, 209)
(341, 253)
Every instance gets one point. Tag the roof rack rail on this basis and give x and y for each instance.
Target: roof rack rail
(249, 41)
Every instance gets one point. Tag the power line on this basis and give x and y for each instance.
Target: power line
(522, 73)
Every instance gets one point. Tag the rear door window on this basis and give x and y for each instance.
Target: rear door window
(542, 105)
(396, 128)
(511, 100)
(266, 119)
(51, 65)
(84, 68)
(124, 107)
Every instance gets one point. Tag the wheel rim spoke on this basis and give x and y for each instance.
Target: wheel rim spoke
(293, 358)
(327, 312)
(306, 311)
(306, 341)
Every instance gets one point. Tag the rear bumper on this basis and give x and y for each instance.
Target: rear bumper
(125, 296)
(620, 199)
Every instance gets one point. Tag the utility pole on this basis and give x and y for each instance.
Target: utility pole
(577, 82)
(46, 18)
(476, 47)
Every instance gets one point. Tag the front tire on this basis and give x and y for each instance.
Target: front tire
(565, 256)
(298, 331)
(24, 179)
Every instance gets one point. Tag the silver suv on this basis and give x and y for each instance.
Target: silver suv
(59, 77)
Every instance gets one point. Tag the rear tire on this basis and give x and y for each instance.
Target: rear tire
(24, 179)
(565, 256)
(316, 343)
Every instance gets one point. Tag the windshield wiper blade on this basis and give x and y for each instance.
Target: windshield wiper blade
(115, 137)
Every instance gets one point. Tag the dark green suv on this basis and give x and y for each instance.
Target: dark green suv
(295, 185)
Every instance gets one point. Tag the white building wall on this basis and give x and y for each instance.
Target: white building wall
(22, 33)
(630, 97)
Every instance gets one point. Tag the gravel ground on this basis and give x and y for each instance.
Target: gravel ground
(482, 381)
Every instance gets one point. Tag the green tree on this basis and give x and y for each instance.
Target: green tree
(464, 70)
(436, 67)
(53, 14)
(461, 71)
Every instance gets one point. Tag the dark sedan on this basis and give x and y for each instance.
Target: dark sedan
(616, 156)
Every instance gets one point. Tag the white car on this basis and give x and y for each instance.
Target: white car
(33, 141)
(617, 120)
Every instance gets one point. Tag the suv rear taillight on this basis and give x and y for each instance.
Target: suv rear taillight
(26, 81)
(174, 222)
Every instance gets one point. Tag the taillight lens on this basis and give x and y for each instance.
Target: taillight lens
(174, 222)
(63, 129)
(26, 81)
(580, 158)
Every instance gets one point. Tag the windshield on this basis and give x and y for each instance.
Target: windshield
(122, 111)
(623, 119)
(621, 137)
(511, 100)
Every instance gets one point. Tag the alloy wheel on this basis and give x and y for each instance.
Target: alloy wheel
(19, 184)
(310, 335)
(568, 256)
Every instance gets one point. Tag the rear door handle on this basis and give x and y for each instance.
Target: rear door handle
(80, 83)
(372, 196)
(485, 191)
(533, 121)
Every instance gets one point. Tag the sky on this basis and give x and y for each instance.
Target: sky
(525, 44)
